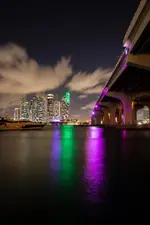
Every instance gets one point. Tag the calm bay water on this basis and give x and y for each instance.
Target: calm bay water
(71, 172)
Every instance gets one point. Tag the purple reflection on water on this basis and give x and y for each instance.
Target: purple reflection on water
(94, 167)
(55, 154)
(124, 133)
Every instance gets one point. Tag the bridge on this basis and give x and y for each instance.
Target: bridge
(128, 88)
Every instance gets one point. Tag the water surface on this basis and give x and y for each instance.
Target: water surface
(71, 172)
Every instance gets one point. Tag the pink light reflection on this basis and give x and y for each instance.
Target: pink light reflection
(94, 167)
(124, 133)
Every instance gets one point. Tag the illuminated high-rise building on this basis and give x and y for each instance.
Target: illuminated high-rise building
(62, 108)
(24, 109)
(50, 107)
(16, 114)
(56, 110)
(34, 109)
(143, 115)
(30, 110)
(65, 106)
(6, 115)
(146, 113)
(41, 109)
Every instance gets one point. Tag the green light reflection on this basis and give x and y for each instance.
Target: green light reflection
(68, 147)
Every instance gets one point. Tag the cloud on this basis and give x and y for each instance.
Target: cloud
(12, 54)
(9, 100)
(86, 82)
(82, 96)
(21, 75)
(88, 106)
(95, 90)
(75, 116)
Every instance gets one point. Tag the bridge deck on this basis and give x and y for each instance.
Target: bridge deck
(133, 79)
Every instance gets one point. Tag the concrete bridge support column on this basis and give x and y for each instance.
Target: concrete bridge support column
(112, 111)
(120, 115)
(93, 120)
(128, 113)
(98, 119)
(106, 119)
(109, 110)
(127, 106)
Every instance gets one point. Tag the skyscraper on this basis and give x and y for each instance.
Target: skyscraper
(24, 109)
(65, 106)
(143, 115)
(146, 113)
(16, 114)
(41, 109)
(34, 108)
(56, 110)
(30, 110)
(50, 107)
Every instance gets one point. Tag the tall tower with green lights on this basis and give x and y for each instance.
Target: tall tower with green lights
(67, 98)
(65, 106)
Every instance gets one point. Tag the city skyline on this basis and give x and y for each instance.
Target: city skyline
(75, 54)
(43, 108)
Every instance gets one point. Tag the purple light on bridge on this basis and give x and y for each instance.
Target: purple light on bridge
(127, 44)
(126, 51)
(105, 91)
(93, 113)
(96, 106)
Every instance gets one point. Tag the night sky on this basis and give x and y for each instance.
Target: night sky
(90, 34)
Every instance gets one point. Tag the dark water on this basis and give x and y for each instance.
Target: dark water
(70, 172)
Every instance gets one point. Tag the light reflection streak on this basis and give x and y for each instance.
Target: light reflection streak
(124, 133)
(67, 155)
(94, 168)
(55, 153)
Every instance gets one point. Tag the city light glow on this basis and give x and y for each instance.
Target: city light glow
(55, 120)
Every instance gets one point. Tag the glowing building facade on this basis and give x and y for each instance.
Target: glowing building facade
(56, 110)
(50, 107)
(16, 114)
(143, 115)
(24, 109)
(65, 106)
(34, 109)
(146, 113)
(41, 109)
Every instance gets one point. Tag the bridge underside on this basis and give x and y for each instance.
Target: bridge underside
(143, 44)
(128, 89)
(132, 80)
